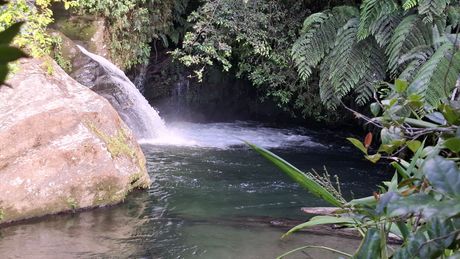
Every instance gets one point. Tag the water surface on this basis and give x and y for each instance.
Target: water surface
(212, 198)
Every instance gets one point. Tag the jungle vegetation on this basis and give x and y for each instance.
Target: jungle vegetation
(394, 64)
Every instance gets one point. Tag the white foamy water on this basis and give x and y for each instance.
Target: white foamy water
(149, 127)
(130, 104)
(225, 135)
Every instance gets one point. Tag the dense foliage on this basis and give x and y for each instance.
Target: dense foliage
(253, 39)
(7, 52)
(37, 16)
(337, 51)
(418, 116)
(133, 24)
(355, 49)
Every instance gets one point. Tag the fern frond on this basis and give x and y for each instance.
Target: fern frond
(438, 76)
(432, 9)
(375, 73)
(409, 34)
(408, 4)
(414, 59)
(326, 92)
(372, 11)
(318, 38)
(383, 28)
(351, 65)
(453, 15)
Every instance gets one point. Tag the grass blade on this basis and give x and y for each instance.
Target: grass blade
(298, 176)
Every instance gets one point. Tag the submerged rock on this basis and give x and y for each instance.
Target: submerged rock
(63, 147)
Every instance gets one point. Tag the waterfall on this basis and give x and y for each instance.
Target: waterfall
(130, 104)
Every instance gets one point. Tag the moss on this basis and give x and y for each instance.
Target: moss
(117, 145)
(108, 192)
(72, 204)
(138, 180)
(77, 28)
(10, 214)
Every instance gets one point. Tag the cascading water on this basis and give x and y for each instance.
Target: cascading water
(131, 105)
(149, 128)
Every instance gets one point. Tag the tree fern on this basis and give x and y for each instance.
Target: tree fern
(375, 72)
(371, 12)
(431, 9)
(437, 77)
(318, 38)
(409, 34)
(351, 65)
(408, 4)
(414, 60)
(326, 92)
(383, 28)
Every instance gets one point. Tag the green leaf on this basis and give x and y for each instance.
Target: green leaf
(358, 144)
(374, 158)
(437, 117)
(424, 204)
(453, 144)
(443, 175)
(7, 36)
(401, 85)
(8, 54)
(370, 246)
(298, 176)
(320, 220)
(450, 114)
(375, 109)
(411, 169)
(364, 202)
(401, 171)
(414, 145)
(3, 73)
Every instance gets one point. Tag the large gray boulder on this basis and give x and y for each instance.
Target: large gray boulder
(63, 147)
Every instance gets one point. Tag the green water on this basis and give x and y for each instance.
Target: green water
(205, 202)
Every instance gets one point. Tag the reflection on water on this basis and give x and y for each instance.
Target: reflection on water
(204, 203)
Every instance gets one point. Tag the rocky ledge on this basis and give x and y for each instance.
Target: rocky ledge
(62, 146)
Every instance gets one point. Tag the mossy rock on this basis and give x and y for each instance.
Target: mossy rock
(77, 28)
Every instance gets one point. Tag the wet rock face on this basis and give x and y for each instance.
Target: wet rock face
(63, 147)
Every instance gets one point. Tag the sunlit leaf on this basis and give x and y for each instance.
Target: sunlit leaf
(374, 158)
(401, 85)
(358, 144)
(414, 145)
(453, 144)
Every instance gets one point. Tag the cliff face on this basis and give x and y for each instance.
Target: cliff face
(63, 147)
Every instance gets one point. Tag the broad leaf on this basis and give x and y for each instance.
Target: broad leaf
(358, 144)
(370, 246)
(374, 158)
(7, 36)
(453, 144)
(424, 204)
(443, 175)
(9, 54)
(414, 145)
(401, 85)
